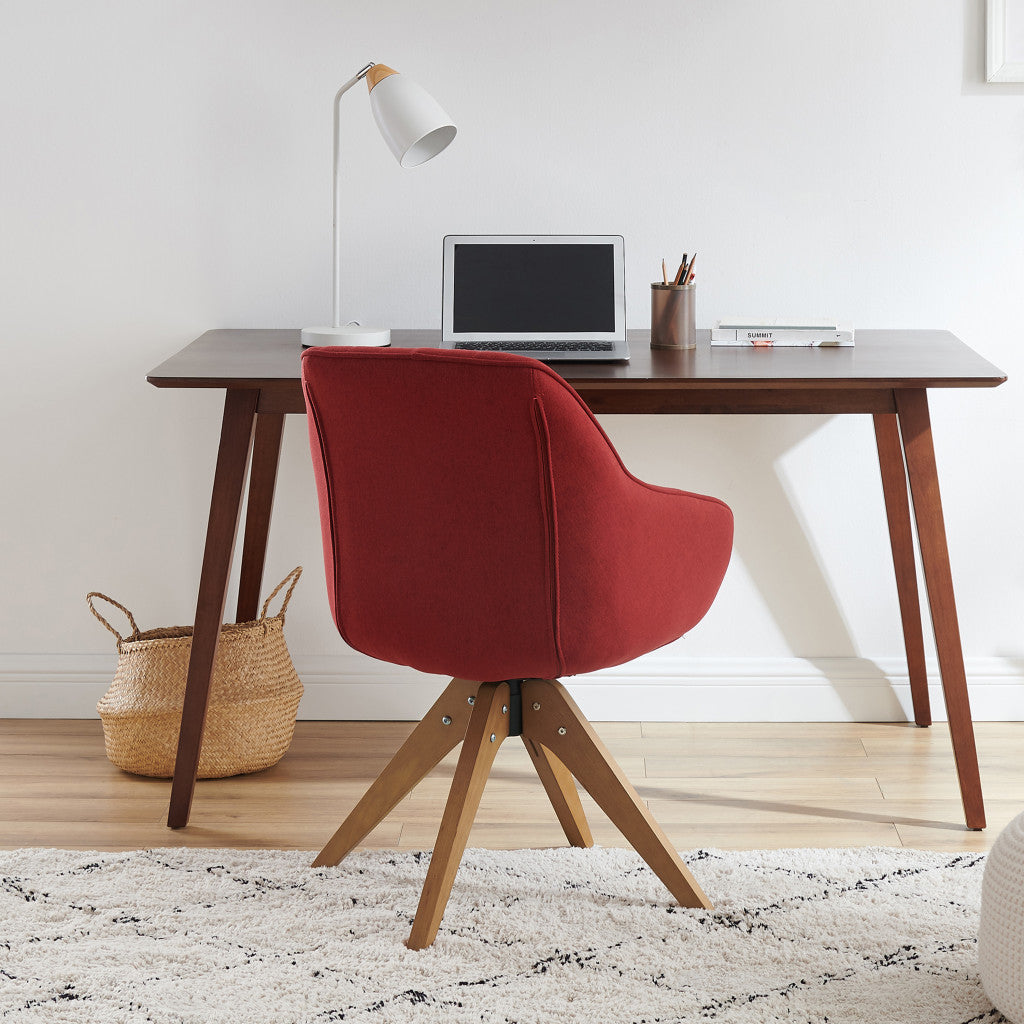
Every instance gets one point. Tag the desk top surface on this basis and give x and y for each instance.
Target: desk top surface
(253, 358)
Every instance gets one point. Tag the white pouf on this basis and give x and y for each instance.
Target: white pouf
(1001, 932)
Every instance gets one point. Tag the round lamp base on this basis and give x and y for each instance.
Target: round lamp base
(350, 334)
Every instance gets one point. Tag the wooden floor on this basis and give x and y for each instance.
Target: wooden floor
(746, 786)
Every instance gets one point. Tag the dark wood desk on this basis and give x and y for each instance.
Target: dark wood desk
(887, 375)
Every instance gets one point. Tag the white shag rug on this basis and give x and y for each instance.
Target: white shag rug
(529, 937)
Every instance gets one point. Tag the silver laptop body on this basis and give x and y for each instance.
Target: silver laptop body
(552, 297)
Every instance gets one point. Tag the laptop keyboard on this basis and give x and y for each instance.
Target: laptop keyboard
(536, 346)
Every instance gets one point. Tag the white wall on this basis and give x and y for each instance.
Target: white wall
(165, 169)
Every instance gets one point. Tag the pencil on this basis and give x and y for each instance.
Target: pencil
(678, 279)
(689, 269)
(664, 272)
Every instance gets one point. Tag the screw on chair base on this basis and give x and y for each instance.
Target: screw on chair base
(562, 745)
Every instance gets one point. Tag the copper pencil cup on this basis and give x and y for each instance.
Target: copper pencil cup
(673, 316)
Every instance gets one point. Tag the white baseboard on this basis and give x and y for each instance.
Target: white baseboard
(658, 688)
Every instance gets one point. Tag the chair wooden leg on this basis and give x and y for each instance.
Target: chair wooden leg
(429, 742)
(559, 725)
(561, 791)
(488, 726)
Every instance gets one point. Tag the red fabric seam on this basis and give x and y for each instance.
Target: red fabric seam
(547, 485)
(311, 410)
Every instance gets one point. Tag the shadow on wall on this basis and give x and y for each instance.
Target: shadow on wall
(738, 459)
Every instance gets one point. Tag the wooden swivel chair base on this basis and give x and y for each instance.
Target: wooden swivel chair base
(561, 744)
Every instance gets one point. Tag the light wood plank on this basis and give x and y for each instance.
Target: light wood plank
(240, 833)
(505, 835)
(793, 739)
(780, 837)
(745, 785)
(768, 788)
(936, 787)
(964, 841)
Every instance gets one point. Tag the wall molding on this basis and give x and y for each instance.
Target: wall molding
(658, 687)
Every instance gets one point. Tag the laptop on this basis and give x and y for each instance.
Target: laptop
(552, 297)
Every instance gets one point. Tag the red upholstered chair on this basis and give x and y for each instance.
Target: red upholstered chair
(478, 523)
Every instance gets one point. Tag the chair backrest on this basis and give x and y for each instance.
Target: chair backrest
(478, 523)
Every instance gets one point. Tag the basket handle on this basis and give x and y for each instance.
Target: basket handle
(294, 577)
(110, 600)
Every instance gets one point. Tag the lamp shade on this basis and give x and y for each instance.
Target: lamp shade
(411, 121)
(415, 129)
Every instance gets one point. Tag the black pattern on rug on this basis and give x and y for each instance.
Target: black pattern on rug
(529, 937)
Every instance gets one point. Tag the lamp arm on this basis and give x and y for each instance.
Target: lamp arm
(359, 76)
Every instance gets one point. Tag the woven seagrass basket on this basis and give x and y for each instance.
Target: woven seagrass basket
(254, 695)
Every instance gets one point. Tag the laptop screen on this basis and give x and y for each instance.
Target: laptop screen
(537, 289)
(535, 293)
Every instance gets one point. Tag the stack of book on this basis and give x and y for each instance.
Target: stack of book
(781, 333)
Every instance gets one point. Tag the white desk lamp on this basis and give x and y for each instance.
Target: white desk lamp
(415, 129)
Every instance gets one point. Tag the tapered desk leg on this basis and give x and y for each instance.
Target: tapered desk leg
(915, 428)
(225, 506)
(266, 452)
(901, 538)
